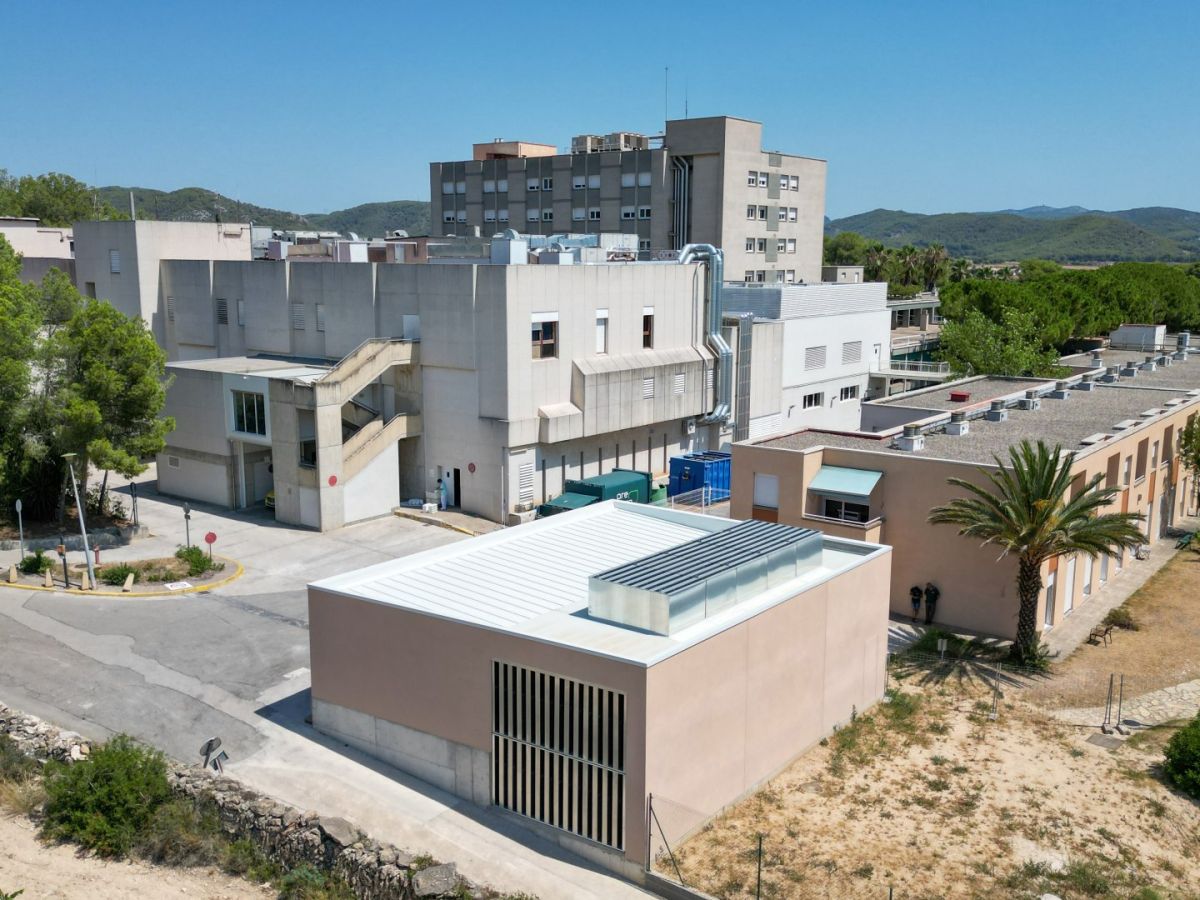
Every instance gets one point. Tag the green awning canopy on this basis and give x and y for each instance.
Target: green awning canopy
(845, 484)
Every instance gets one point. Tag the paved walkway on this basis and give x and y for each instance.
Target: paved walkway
(1179, 701)
(1064, 638)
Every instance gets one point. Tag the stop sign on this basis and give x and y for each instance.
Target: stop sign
(210, 538)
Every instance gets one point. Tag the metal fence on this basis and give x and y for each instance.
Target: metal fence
(702, 500)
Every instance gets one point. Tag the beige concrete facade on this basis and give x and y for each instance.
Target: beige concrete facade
(710, 162)
(119, 261)
(42, 248)
(706, 719)
(1138, 455)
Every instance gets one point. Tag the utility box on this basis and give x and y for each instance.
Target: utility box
(694, 471)
(619, 484)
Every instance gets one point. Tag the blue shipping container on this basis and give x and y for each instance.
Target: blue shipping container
(693, 471)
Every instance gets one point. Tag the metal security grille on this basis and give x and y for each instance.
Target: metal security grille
(222, 312)
(558, 752)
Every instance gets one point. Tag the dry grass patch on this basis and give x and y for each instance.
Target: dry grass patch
(929, 795)
(1161, 652)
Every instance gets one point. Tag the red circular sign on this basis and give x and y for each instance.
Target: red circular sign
(471, 468)
(210, 538)
(332, 480)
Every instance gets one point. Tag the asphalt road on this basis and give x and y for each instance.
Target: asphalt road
(233, 662)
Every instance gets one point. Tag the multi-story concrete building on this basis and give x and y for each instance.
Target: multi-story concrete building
(118, 261)
(704, 180)
(515, 376)
(1121, 414)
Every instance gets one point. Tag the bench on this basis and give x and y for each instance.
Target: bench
(1100, 633)
(1184, 541)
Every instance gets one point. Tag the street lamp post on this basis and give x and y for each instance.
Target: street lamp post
(87, 555)
(20, 529)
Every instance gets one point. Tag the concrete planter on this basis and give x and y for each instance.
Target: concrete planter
(104, 538)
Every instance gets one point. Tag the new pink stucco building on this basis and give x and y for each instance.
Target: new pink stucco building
(567, 669)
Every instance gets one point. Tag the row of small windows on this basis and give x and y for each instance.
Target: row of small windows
(762, 179)
(578, 183)
(759, 213)
(544, 331)
(578, 214)
(759, 276)
(817, 398)
(759, 245)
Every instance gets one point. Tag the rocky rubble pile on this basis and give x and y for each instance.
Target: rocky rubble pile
(287, 836)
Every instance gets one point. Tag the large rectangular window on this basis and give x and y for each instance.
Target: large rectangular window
(545, 337)
(249, 413)
(845, 510)
(648, 328)
(558, 752)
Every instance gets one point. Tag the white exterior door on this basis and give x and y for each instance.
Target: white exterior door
(1068, 591)
(1048, 620)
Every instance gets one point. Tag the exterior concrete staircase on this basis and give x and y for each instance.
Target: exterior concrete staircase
(362, 366)
(365, 443)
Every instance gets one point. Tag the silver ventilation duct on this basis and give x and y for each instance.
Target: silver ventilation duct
(723, 376)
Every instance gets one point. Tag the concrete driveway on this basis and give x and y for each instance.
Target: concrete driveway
(233, 662)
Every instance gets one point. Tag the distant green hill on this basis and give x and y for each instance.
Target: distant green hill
(202, 205)
(1150, 234)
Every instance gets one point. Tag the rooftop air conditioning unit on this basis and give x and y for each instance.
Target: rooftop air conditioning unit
(1030, 401)
(1111, 374)
(1087, 382)
(1149, 365)
(997, 412)
(1097, 359)
(1062, 391)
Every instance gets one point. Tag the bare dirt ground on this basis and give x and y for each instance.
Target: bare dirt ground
(59, 871)
(928, 795)
(1165, 650)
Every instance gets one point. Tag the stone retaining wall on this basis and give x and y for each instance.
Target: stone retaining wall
(104, 538)
(286, 835)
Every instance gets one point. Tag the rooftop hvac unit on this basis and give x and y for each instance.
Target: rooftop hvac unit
(1062, 391)
(912, 439)
(958, 424)
(1030, 401)
(997, 412)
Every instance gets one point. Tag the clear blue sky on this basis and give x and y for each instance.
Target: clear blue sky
(926, 106)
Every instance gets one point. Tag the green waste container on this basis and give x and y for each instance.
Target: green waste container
(658, 494)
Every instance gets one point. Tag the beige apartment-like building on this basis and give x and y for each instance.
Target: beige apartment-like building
(1121, 414)
(705, 180)
(564, 671)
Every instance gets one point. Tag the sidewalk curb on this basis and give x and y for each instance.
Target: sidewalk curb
(239, 571)
(433, 520)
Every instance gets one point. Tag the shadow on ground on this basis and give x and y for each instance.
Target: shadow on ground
(293, 712)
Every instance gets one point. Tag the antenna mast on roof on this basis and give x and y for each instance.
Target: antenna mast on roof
(666, 92)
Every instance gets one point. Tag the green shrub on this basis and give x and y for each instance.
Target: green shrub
(198, 562)
(116, 574)
(306, 883)
(14, 764)
(1121, 618)
(38, 563)
(245, 859)
(106, 801)
(1181, 758)
(180, 834)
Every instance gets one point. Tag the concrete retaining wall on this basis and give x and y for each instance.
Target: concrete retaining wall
(104, 538)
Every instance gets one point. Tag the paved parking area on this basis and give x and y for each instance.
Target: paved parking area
(233, 662)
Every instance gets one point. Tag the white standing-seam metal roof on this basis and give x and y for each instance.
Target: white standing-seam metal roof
(532, 580)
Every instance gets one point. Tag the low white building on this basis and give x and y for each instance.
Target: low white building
(42, 248)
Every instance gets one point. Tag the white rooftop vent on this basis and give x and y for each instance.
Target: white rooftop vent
(1124, 425)
(958, 424)
(1030, 401)
(912, 439)
(1096, 438)
(997, 412)
(1062, 390)
(1151, 413)
(1149, 365)
(1175, 401)
(1111, 374)
(1097, 359)
(1087, 382)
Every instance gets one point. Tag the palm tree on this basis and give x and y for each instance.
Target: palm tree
(876, 262)
(908, 262)
(960, 269)
(1027, 509)
(933, 264)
